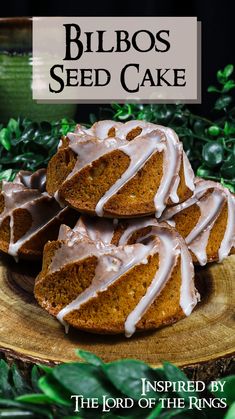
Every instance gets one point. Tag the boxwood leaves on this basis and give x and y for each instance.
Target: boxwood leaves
(28, 145)
(5, 387)
(231, 412)
(85, 379)
(223, 102)
(126, 375)
(175, 374)
(89, 357)
(228, 389)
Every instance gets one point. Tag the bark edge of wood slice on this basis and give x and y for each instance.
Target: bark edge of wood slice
(202, 344)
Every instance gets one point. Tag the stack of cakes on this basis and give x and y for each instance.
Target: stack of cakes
(127, 264)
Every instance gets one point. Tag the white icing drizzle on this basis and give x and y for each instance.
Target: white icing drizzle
(138, 157)
(91, 144)
(113, 261)
(100, 130)
(171, 169)
(42, 208)
(91, 228)
(188, 173)
(135, 225)
(126, 259)
(167, 260)
(38, 224)
(188, 295)
(210, 208)
(229, 237)
(174, 196)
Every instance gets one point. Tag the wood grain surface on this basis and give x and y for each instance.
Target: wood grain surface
(203, 343)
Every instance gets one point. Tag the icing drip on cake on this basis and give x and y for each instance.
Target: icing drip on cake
(86, 239)
(197, 239)
(210, 197)
(27, 193)
(228, 241)
(107, 136)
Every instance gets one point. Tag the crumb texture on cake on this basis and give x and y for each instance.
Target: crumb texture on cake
(115, 277)
(121, 170)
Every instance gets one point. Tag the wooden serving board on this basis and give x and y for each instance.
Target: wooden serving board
(203, 343)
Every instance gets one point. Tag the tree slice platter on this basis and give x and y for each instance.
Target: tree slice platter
(203, 344)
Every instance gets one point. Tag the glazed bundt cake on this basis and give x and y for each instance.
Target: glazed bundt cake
(112, 277)
(206, 221)
(120, 170)
(29, 217)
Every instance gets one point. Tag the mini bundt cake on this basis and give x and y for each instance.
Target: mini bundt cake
(206, 221)
(29, 217)
(120, 170)
(114, 277)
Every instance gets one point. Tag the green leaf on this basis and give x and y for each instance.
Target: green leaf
(213, 153)
(6, 175)
(14, 127)
(35, 375)
(5, 138)
(221, 77)
(228, 167)
(223, 102)
(155, 412)
(85, 379)
(126, 376)
(35, 398)
(229, 85)
(228, 389)
(212, 89)
(229, 129)
(89, 357)
(20, 385)
(5, 387)
(173, 373)
(214, 130)
(228, 70)
(39, 411)
(54, 390)
(204, 172)
(229, 185)
(231, 412)
(45, 368)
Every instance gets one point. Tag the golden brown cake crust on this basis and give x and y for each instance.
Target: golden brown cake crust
(29, 217)
(60, 283)
(83, 189)
(215, 204)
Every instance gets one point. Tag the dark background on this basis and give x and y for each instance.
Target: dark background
(217, 17)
